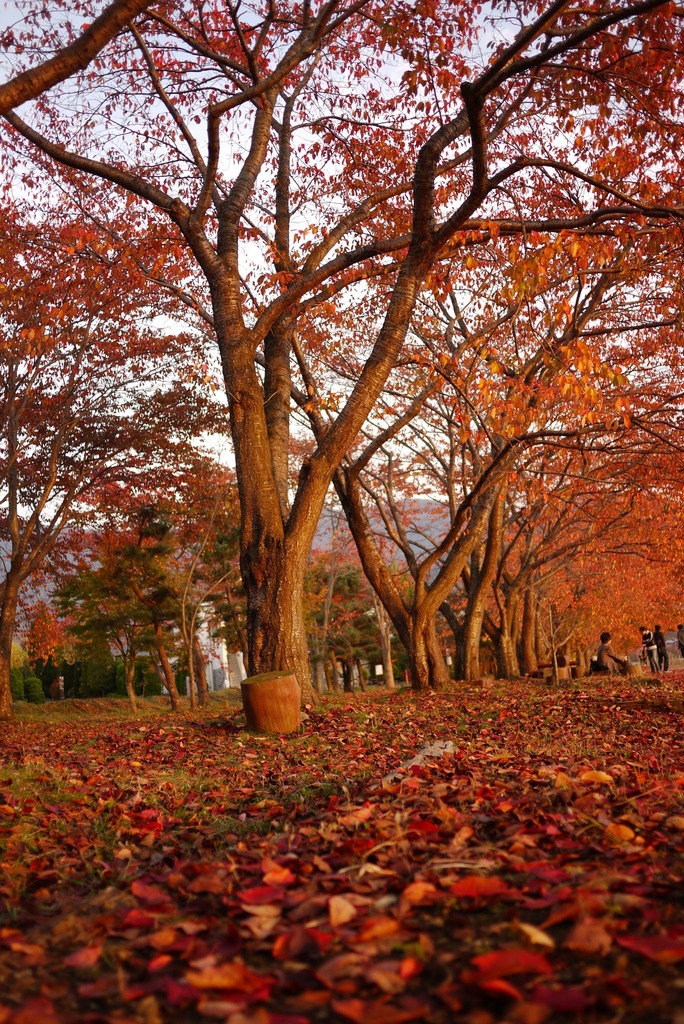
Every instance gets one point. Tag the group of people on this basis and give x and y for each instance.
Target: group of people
(653, 651)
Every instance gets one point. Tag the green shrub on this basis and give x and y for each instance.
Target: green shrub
(33, 689)
(17, 684)
(151, 684)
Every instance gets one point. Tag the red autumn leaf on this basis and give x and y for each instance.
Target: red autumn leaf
(564, 1000)
(136, 918)
(501, 987)
(228, 976)
(261, 894)
(479, 887)
(287, 1018)
(342, 966)
(280, 876)
(661, 948)
(102, 987)
(378, 1011)
(162, 939)
(277, 874)
(158, 963)
(86, 957)
(378, 928)
(209, 881)
(298, 943)
(36, 1011)
(410, 967)
(589, 936)
(417, 892)
(357, 816)
(149, 894)
(31, 950)
(506, 962)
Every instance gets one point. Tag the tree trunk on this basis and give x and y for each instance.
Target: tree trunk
(237, 625)
(334, 673)
(528, 652)
(169, 679)
(483, 570)
(8, 613)
(426, 662)
(385, 631)
(200, 674)
(362, 681)
(539, 642)
(506, 658)
(129, 677)
(277, 393)
(582, 661)
(457, 631)
(347, 676)
(513, 619)
(275, 618)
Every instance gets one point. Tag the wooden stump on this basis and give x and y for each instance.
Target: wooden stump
(271, 702)
(634, 669)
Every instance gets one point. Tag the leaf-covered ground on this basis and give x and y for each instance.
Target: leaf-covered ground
(178, 869)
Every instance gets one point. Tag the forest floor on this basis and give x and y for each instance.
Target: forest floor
(176, 868)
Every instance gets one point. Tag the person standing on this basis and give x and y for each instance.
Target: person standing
(661, 645)
(649, 646)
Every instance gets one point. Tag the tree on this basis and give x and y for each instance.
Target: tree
(90, 404)
(200, 569)
(101, 610)
(499, 111)
(329, 558)
(73, 57)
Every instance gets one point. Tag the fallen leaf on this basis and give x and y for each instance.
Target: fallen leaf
(362, 1011)
(164, 938)
(479, 887)
(345, 965)
(39, 1010)
(416, 892)
(461, 838)
(86, 957)
(227, 976)
(506, 962)
(356, 817)
(279, 876)
(536, 935)
(616, 833)
(149, 894)
(661, 948)
(341, 911)
(528, 1013)
(563, 1000)
(386, 975)
(271, 910)
(596, 778)
(589, 936)
(377, 928)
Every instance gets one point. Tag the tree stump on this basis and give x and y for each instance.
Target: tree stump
(271, 702)
(634, 669)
